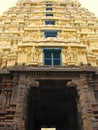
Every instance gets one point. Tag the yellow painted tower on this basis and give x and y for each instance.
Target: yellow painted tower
(34, 28)
(48, 66)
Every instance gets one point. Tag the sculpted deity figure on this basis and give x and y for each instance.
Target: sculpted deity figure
(34, 54)
(13, 51)
(69, 55)
(5, 58)
(13, 55)
(89, 50)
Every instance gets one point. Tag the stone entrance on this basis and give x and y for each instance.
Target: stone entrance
(37, 98)
(52, 105)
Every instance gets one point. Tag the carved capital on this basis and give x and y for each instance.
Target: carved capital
(34, 83)
(71, 84)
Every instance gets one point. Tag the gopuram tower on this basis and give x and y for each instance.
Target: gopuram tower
(48, 66)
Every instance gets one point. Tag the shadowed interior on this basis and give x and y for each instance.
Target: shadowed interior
(52, 105)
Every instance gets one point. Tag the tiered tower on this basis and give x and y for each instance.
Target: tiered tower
(48, 66)
(30, 27)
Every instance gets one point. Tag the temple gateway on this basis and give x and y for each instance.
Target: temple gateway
(48, 66)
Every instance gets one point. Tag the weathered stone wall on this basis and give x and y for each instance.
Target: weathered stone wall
(16, 82)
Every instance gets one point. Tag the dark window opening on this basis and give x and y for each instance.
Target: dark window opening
(50, 33)
(48, 4)
(50, 22)
(52, 56)
(48, 9)
(50, 14)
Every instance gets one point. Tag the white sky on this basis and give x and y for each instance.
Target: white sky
(92, 5)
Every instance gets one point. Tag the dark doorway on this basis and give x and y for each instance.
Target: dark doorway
(52, 105)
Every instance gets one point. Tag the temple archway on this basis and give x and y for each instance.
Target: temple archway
(52, 105)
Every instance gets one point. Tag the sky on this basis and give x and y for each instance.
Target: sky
(92, 5)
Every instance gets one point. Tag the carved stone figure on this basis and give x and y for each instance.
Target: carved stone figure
(4, 59)
(34, 54)
(69, 55)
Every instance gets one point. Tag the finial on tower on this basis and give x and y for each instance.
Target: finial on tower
(31, 1)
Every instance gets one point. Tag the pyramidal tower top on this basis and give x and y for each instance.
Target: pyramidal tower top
(48, 32)
(47, 0)
(31, 1)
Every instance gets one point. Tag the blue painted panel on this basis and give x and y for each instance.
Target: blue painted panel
(49, 14)
(50, 22)
(52, 56)
(50, 33)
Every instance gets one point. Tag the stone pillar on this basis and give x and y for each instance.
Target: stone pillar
(23, 88)
(15, 88)
(72, 88)
(17, 122)
(3, 94)
(82, 89)
(31, 83)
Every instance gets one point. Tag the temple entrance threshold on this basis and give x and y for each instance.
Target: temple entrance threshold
(52, 105)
